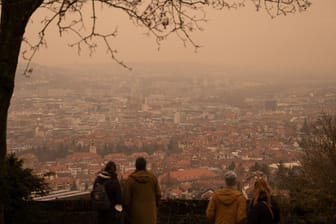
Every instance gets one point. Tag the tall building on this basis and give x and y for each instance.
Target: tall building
(178, 117)
(93, 148)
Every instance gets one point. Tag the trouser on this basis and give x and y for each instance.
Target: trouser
(109, 217)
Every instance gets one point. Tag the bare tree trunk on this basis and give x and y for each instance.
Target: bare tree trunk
(14, 17)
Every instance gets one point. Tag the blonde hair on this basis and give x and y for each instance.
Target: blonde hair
(261, 188)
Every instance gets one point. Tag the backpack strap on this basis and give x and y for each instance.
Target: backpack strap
(269, 209)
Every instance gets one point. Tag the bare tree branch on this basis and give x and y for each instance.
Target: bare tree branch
(161, 18)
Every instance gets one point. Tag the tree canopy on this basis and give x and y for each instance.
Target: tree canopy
(312, 186)
(319, 160)
(160, 18)
(18, 185)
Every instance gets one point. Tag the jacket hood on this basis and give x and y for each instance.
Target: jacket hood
(227, 196)
(142, 176)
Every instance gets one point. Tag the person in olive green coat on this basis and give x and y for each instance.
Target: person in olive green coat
(141, 195)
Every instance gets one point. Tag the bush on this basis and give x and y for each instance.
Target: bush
(312, 187)
(17, 185)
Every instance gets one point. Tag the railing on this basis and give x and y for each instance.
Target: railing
(80, 211)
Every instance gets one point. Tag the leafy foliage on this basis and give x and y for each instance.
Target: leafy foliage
(18, 184)
(263, 167)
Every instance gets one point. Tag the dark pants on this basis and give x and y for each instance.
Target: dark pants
(109, 217)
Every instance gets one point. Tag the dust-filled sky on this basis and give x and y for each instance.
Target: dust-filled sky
(242, 38)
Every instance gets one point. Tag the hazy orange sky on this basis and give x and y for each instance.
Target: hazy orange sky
(241, 38)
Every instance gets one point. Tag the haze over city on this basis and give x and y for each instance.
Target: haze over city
(190, 125)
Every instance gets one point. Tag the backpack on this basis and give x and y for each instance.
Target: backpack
(99, 197)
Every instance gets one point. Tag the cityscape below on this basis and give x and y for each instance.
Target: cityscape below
(190, 126)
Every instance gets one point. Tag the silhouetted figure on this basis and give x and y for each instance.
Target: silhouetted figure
(141, 195)
(108, 177)
(263, 208)
(227, 205)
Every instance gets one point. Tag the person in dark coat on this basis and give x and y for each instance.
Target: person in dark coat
(263, 208)
(141, 195)
(108, 176)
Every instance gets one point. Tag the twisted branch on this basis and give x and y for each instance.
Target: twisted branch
(161, 18)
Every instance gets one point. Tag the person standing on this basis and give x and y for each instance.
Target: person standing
(141, 195)
(227, 205)
(108, 177)
(263, 208)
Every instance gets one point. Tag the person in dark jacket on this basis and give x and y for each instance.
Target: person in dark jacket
(263, 208)
(108, 176)
(142, 195)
